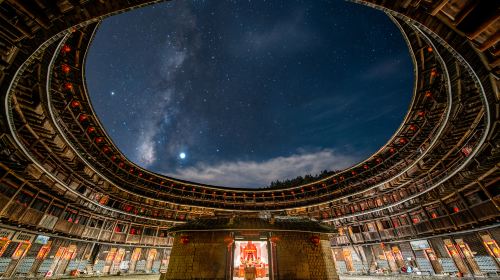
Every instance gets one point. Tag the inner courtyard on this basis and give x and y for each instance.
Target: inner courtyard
(424, 204)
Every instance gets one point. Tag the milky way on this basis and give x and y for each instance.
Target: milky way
(249, 91)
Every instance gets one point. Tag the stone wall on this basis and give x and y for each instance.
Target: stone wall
(298, 258)
(203, 257)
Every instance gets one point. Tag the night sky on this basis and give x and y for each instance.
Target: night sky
(242, 93)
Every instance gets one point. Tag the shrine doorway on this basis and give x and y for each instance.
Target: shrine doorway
(251, 260)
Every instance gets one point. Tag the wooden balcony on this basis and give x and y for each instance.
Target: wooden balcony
(404, 231)
(441, 223)
(371, 235)
(48, 221)
(485, 210)
(387, 234)
(423, 227)
(32, 217)
(133, 238)
(89, 232)
(462, 218)
(119, 237)
(63, 225)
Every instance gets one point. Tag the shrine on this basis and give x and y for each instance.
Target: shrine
(251, 248)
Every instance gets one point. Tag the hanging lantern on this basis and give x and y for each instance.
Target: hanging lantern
(456, 209)
(421, 113)
(82, 118)
(113, 158)
(90, 130)
(75, 104)
(353, 172)
(392, 150)
(434, 73)
(131, 170)
(229, 241)
(366, 167)
(184, 239)
(402, 140)
(274, 239)
(428, 94)
(68, 86)
(315, 240)
(66, 48)
(105, 149)
(379, 160)
(429, 49)
(99, 140)
(65, 68)
(140, 174)
(121, 164)
(413, 127)
(434, 215)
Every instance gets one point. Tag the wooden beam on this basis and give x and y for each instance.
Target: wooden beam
(490, 42)
(437, 8)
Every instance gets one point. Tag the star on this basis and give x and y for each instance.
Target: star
(112, 93)
(182, 155)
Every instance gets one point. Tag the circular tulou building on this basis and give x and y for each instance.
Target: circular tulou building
(428, 200)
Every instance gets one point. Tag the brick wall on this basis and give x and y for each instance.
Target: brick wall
(298, 258)
(203, 257)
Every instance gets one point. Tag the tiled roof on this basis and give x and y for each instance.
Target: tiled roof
(238, 223)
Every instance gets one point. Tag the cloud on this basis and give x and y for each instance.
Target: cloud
(252, 173)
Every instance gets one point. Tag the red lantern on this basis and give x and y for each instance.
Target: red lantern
(90, 130)
(121, 164)
(82, 118)
(402, 140)
(434, 72)
(274, 239)
(65, 68)
(184, 239)
(392, 150)
(113, 158)
(421, 113)
(66, 49)
(315, 240)
(229, 241)
(353, 172)
(434, 215)
(413, 127)
(379, 160)
(105, 149)
(75, 104)
(140, 174)
(366, 166)
(68, 86)
(99, 140)
(131, 170)
(456, 209)
(428, 94)
(429, 49)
